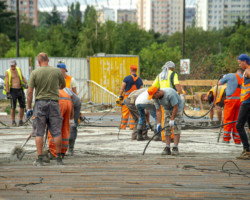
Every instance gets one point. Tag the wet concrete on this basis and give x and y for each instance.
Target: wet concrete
(108, 167)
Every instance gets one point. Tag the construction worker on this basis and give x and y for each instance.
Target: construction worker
(141, 104)
(244, 113)
(173, 108)
(46, 81)
(130, 103)
(129, 84)
(70, 81)
(232, 105)
(168, 79)
(220, 97)
(76, 101)
(66, 113)
(15, 83)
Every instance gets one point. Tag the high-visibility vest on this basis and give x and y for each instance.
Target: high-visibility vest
(245, 89)
(63, 95)
(219, 94)
(169, 83)
(9, 74)
(68, 81)
(133, 88)
(237, 92)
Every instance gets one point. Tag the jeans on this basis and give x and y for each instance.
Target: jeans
(150, 108)
(243, 117)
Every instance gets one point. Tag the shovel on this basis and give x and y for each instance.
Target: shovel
(19, 151)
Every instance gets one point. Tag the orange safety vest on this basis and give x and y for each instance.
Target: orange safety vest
(245, 90)
(219, 94)
(63, 95)
(68, 81)
(237, 92)
(133, 88)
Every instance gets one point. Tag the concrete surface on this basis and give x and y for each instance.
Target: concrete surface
(105, 167)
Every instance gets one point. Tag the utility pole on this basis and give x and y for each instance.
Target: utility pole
(183, 30)
(17, 28)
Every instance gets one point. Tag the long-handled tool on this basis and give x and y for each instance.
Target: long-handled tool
(19, 151)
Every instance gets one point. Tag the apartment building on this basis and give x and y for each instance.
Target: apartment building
(126, 15)
(27, 8)
(163, 16)
(216, 14)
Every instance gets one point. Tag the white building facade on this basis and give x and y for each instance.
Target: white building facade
(162, 16)
(217, 14)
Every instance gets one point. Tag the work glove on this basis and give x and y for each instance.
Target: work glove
(171, 123)
(29, 113)
(159, 128)
(25, 85)
(183, 98)
(9, 95)
(121, 98)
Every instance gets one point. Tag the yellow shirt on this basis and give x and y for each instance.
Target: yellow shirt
(166, 83)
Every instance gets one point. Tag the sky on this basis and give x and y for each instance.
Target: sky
(47, 5)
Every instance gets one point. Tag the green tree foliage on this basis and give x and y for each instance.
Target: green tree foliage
(5, 44)
(155, 56)
(7, 21)
(53, 18)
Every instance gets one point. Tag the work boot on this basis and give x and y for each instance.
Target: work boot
(59, 160)
(134, 136)
(20, 123)
(71, 147)
(175, 151)
(166, 151)
(46, 159)
(245, 155)
(158, 136)
(39, 161)
(139, 135)
(13, 123)
(145, 135)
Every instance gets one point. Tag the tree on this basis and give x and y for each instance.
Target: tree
(5, 44)
(53, 18)
(7, 21)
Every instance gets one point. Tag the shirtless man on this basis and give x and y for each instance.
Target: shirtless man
(14, 89)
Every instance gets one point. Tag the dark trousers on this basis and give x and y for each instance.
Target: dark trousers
(243, 117)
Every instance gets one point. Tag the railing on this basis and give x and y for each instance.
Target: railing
(99, 94)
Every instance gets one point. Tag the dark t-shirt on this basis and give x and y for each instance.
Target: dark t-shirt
(129, 82)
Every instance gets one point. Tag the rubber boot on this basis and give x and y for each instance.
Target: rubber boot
(158, 136)
(139, 135)
(71, 147)
(145, 134)
(134, 135)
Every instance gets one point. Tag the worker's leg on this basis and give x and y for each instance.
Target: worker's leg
(236, 135)
(228, 117)
(52, 148)
(167, 116)
(65, 127)
(125, 116)
(55, 125)
(131, 122)
(162, 124)
(135, 114)
(21, 100)
(141, 122)
(219, 112)
(243, 117)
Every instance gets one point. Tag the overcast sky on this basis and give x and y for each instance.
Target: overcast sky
(62, 4)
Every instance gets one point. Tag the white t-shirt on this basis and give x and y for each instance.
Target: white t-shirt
(142, 98)
(72, 83)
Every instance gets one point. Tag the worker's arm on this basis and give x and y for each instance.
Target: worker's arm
(29, 97)
(122, 88)
(178, 88)
(74, 90)
(175, 109)
(7, 81)
(247, 73)
(72, 112)
(24, 79)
